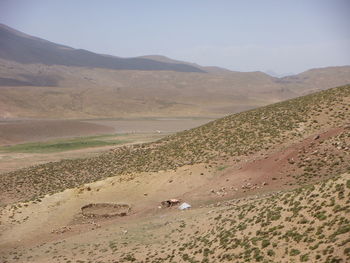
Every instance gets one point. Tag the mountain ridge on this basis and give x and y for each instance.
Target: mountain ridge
(22, 48)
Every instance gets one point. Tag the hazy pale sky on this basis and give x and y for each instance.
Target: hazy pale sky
(284, 36)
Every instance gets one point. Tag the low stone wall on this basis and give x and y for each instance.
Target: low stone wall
(105, 210)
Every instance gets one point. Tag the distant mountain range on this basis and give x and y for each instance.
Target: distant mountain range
(22, 48)
(41, 79)
(173, 61)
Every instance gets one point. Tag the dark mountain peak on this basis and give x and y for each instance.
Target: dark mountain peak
(23, 48)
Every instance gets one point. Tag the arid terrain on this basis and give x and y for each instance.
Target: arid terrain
(43, 80)
(82, 93)
(270, 184)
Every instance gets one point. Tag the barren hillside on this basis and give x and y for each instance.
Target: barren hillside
(75, 92)
(250, 134)
(72, 92)
(265, 185)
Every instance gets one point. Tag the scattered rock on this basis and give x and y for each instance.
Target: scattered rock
(61, 230)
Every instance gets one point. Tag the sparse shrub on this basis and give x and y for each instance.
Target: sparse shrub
(294, 252)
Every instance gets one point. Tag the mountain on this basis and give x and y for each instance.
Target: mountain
(22, 48)
(273, 128)
(173, 61)
(74, 84)
(317, 79)
(80, 92)
(265, 185)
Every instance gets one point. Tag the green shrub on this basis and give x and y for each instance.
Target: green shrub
(294, 252)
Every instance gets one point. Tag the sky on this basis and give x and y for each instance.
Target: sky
(280, 36)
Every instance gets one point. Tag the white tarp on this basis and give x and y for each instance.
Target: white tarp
(184, 206)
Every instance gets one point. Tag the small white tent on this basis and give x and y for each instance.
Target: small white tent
(184, 206)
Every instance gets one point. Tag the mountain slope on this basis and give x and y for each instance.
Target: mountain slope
(16, 46)
(77, 92)
(233, 139)
(169, 60)
(265, 185)
(317, 79)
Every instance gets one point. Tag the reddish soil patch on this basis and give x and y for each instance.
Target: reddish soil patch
(273, 169)
(259, 175)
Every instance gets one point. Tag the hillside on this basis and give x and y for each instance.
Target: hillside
(308, 224)
(75, 92)
(317, 79)
(265, 185)
(305, 225)
(237, 138)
